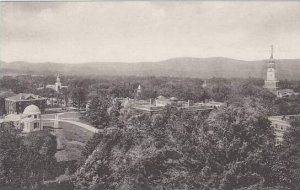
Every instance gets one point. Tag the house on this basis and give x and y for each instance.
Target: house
(284, 93)
(17, 103)
(281, 124)
(163, 101)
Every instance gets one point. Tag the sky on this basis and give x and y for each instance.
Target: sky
(134, 31)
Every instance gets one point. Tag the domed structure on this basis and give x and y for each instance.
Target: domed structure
(31, 110)
(31, 120)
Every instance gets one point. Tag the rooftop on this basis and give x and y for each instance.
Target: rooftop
(25, 97)
(31, 110)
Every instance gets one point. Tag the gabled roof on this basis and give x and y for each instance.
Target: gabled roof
(25, 97)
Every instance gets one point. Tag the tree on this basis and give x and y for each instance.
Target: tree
(47, 93)
(92, 144)
(234, 148)
(25, 162)
(78, 95)
(97, 114)
(289, 151)
(40, 162)
(11, 149)
(64, 93)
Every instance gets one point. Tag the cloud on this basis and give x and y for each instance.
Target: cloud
(147, 31)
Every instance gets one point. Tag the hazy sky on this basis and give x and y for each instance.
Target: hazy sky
(147, 31)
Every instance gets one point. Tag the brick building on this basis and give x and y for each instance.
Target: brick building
(16, 104)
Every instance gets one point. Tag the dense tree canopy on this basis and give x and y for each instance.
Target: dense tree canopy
(25, 162)
(231, 149)
(97, 113)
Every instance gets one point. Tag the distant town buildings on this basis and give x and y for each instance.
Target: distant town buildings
(57, 86)
(271, 83)
(17, 103)
(158, 105)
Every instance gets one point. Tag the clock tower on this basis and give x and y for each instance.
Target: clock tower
(271, 82)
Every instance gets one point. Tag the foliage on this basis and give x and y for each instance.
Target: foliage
(11, 157)
(231, 149)
(97, 114)
(78, 96)
(25, 162)
(290, 152)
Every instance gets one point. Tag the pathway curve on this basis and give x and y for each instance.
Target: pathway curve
(83, 125)
(69, 117)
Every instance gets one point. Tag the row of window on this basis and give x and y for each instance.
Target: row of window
(34, 116)
(281, 127)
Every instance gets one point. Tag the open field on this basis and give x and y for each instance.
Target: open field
(72, 139)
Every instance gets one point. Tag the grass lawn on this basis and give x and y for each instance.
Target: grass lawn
(72, 138)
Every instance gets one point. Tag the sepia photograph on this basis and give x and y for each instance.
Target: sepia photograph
(150, 95)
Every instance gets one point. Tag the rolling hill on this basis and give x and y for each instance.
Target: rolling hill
(177, 67)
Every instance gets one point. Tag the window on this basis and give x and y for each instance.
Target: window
(22, 126)
(36, 125)
(35, 116)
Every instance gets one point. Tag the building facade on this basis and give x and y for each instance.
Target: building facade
(281, 124)
(4, 94)
(16, 104)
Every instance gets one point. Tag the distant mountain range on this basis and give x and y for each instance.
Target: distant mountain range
(177, 67)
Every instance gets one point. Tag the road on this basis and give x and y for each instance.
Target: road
(72, 118)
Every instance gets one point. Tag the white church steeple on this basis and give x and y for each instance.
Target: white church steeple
(57, 84)
(271, 82)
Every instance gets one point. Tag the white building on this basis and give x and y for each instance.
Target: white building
(284, 93)
(31, 119)
(28, 121)
(57, 86)
(272, 83)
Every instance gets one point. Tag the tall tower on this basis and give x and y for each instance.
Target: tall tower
(138, 92)
(139, 89)
(271, 82)
(57, 84)
(204, 84)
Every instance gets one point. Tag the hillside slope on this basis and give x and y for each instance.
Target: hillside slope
(177, 67)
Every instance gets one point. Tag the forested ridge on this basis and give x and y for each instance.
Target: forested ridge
(175, 67)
